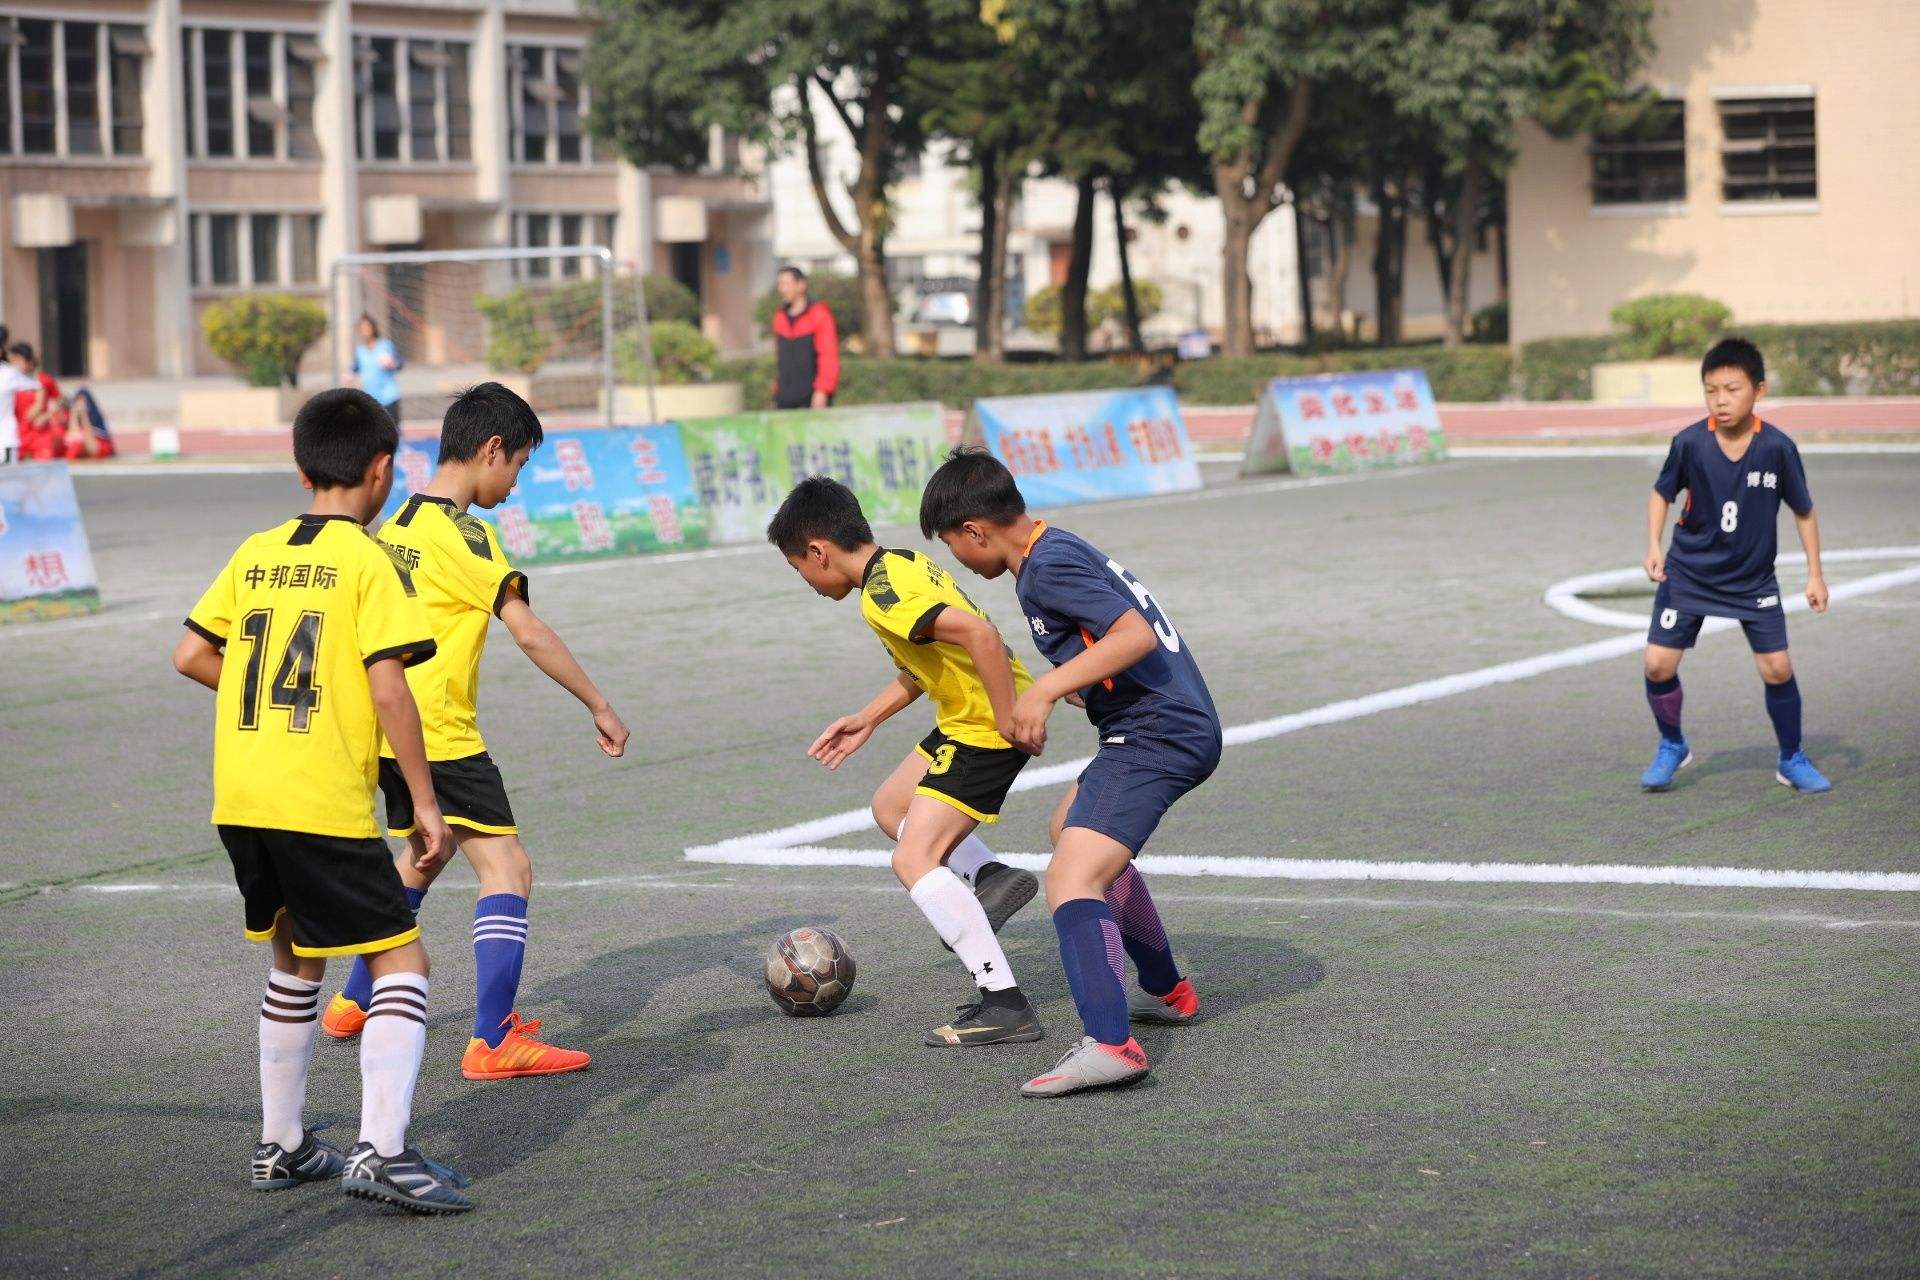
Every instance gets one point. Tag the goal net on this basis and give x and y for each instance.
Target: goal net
(560, 326)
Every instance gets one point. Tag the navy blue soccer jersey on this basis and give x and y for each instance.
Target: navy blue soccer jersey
(1159, 708)
(1720, 561)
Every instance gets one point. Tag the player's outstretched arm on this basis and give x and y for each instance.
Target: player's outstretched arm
(1127, 641)
(196, 659)
(1809, 526)
(400, 720)
(849, 733)
(549, 652)
(1657, 507)
(990, 659)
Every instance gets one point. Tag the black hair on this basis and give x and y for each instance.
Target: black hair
(366, 318)
(1736, 353)
(971, 484)
(482, 412)
(338, 434)
(795, 272)
(3, 335)
(819, 507)
(24, 350)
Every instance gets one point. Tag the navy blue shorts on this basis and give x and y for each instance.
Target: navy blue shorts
(1674, 628)
(1124, 798)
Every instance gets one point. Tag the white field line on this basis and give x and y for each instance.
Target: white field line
(1565, 596)
(800, 844)
(788, 886)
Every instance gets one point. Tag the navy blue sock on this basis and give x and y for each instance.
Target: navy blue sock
(1090, 952)
(359, 988)
(499, 949)
(1783, 707)
(1664, 697)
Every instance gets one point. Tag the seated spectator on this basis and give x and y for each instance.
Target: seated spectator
(48, 425)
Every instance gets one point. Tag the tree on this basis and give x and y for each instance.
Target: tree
(663, 72)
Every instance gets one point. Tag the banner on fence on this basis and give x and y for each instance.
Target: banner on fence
(46, 566)
(743, 464)
(1084, 446)
(584, 495)
(1340, 422)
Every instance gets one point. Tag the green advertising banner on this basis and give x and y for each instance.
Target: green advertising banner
(743, 464)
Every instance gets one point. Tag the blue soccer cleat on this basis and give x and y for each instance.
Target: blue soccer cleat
(1797, 771)
(1670, 759)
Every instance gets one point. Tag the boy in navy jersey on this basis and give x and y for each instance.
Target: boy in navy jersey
(1115, 650)
(1737, 471)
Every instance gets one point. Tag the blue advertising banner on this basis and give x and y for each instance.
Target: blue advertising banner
(1088, 445)
(584, 494)
(46, 566)
(1340, 422)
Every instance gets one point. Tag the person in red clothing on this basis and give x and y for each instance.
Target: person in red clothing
(806, 346)
(49, 428)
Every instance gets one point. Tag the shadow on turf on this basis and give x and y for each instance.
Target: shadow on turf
(1826, 751)
(1234, 975)
(491, 1128)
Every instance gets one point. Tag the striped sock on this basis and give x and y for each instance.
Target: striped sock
(499, 951)
(390, 1052)
(289, 1016)
(359, 987)
(1090, 953)
(1140, 929)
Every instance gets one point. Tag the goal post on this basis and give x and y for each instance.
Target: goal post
(562, 326)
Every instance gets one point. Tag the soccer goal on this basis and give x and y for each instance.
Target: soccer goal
(561, 326)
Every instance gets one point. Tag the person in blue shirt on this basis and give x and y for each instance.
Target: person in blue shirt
(1116, 653)
(375, 362)
(1736, 470)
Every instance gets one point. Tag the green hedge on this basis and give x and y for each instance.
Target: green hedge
(1462, 374)
(1559, 368)
(1873, 358)
(954, 383)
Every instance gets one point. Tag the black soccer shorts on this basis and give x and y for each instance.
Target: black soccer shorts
(337, 895)
(974, 780)
(470, 790)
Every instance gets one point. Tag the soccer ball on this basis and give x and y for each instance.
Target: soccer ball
(809, 973)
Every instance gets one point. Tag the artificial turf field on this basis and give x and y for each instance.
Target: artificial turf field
(1393, 1077)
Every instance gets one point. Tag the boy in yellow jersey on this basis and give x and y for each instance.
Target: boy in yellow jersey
(464, 581)
(959, 775)
(321, 622)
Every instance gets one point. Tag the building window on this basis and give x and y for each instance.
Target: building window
(250, 94)
(248, 250)
(565, 230)
(1645, 164)
(70, 88)
(1767, 149)
(548, 104)
(413, 103)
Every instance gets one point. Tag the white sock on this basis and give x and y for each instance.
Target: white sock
(969, 856)
(289, 1017)
(956, 915)
(391, 1046)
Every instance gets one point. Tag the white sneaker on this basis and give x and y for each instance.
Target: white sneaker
(1090, 1065)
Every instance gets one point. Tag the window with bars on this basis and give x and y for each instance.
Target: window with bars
(1646, 164)
(249, 94)
(413, 105)
(539, 229)
(548, 104)
(70, 88)
(1767, 149)
(238, 250)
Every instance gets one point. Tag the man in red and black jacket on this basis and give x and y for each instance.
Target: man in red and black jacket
(806, 346)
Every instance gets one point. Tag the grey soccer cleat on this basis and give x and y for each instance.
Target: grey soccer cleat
(275, 1168)
(410, 1180)
(1177, 1006)
(1090, 1065)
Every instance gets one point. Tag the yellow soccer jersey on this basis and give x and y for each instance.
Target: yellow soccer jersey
(902, 594)
(301, 611)
(464, 579)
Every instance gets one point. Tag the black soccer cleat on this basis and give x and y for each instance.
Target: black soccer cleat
(410, 1180)
(1002, 891)
(992, 1019)
(275, 1168)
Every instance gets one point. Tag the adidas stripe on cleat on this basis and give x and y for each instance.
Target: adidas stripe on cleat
(409, 1180)
(1177, 1006)
(1090, 1065)
(275, 1168)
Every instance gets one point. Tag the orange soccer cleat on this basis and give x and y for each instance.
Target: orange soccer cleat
(343, 1019)
(519, 1054)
